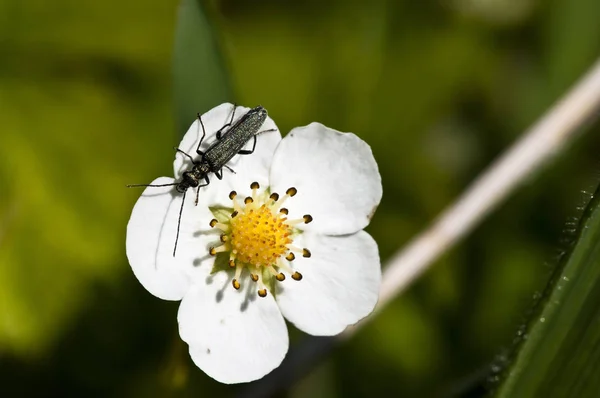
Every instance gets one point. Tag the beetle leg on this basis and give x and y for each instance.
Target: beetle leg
(198, 190)
(266, 131)
(198, 151)
(248, 152)
(197, 195)
(186, 154)
(229, 168)
(220, 131)
(219, 174)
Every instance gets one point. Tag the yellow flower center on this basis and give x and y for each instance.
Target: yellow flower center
(258, 236)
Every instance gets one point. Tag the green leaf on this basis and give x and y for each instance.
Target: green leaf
(200, 79)
(559, 353)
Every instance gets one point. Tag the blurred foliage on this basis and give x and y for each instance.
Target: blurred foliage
(437, 88)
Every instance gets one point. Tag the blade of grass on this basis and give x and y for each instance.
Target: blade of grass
(200, 79)
(559, 353)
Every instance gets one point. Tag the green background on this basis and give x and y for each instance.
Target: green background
(437, 88)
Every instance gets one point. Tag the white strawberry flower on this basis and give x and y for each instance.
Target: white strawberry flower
(282, 237)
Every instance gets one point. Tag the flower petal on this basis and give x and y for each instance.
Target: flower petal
(151, 234)
(340, 283)
(234, 335)
(248, 168)
(212, 120)
(336, 176)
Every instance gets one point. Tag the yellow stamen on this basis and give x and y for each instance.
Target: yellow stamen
(214, 250)
(233, 197)
(307, 218)
(254, 186)
(283, 265)
(262, 290)
(222, 227)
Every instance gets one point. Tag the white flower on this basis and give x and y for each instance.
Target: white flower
(309, 261)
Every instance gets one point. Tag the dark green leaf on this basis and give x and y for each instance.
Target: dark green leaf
(559, 353)
(200, 79)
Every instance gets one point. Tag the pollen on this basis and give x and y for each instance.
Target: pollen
(259, 237)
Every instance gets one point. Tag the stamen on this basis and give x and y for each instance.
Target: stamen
(219, 225)
(283, 210)
(274, 196)
(254, 277)
(297, 276)
(294, 248)
(238, 272)
(307, 218)
(290, 257)
(231, 259)
(302, 220)
(224, 238)
(288, 194)
(306, 253)
(283, 265)
(278, 275)
(262, 290)
(254, 186)
(214, 250)
(236, 204)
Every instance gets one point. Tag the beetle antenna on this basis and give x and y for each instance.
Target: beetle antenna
(151, 185)
(179, 222)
